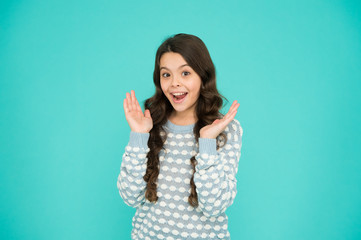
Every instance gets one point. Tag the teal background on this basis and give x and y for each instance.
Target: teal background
(294, 66)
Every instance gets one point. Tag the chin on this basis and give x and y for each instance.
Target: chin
(178, 109)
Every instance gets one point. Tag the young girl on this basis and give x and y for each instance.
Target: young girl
(179, 167)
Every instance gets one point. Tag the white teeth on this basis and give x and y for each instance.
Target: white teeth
(178, 94)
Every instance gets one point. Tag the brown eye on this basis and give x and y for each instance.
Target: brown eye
(187, 73)
(164, 75)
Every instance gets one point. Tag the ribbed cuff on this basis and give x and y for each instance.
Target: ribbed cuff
(207, 145)
(138, 139)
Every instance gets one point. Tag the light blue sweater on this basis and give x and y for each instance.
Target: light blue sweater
(172, 217)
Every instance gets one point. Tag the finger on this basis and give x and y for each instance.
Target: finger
(147, 113)
(134, 105)
(129, 102)
(221, 124)
(234, 111)
(232, 115)
(125, 106)
(231, 109)
(234, 108)
(234, 105)
(216, 121)
(138, 105)
(229, 119)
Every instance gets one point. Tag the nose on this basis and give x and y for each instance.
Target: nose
(175, 82)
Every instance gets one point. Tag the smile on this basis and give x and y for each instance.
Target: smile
(179, 97)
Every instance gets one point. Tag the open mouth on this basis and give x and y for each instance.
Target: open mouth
(179, 97)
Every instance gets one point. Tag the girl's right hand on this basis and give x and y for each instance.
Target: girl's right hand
(138, 122)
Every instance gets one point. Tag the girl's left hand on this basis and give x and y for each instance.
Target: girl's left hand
(218, 126)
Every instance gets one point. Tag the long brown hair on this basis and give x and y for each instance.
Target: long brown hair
(209, 103)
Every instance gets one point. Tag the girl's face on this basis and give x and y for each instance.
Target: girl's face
(179, 83)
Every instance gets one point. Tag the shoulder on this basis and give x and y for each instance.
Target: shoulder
(234, 128)
(233, 133)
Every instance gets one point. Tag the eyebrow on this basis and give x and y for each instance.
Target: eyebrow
(178, 68)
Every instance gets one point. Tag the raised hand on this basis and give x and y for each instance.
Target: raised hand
(138, 122)
(218, 126)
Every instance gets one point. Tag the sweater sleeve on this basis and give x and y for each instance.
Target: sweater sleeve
(215, 176)
(131, 184)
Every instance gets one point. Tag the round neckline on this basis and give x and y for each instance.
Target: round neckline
(179, 128)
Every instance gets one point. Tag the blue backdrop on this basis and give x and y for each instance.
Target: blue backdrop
(294, 66)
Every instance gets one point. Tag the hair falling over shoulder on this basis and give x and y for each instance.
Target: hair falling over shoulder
(209, 104)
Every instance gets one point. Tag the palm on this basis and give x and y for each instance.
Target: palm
(138, 122)
(218, 126)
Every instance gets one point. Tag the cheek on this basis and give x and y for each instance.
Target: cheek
(163, 86)
(196, 86)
